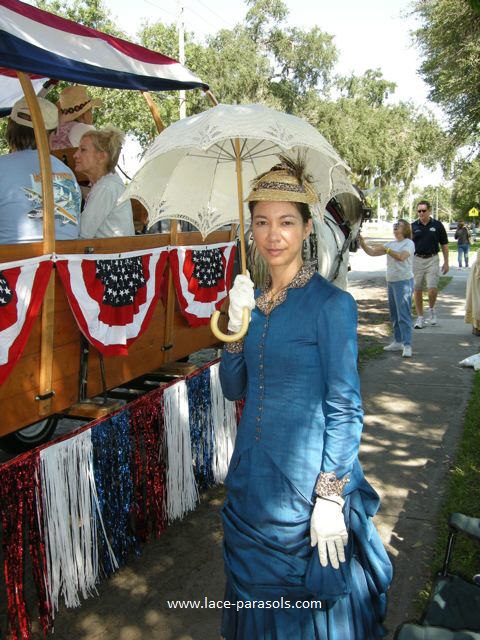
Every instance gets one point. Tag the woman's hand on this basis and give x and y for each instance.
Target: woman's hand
(241, 295)
(327, 529)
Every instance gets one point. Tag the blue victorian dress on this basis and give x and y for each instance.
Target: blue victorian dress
(297, 370)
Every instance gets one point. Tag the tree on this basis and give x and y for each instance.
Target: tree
(263, 17)
(371, 87)
(91, 13)
(440, 198)
(449, 38)
(264, 60)
(383, 143)
(237, 78)
(466, 189)
(300, 61)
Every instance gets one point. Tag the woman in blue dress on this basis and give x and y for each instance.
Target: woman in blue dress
(303, 560)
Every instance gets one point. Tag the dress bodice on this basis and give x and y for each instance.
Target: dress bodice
(299, 377)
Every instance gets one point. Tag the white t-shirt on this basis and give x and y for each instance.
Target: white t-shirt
(397, 269)
(102, 216)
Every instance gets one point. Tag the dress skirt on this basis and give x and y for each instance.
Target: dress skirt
(276, 587)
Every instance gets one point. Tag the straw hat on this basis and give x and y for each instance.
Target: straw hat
(21, 113)
(74, 101)
(284, 182)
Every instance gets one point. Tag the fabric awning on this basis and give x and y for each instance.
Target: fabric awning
(50, 47)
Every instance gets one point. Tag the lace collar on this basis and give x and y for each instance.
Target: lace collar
(304, 275)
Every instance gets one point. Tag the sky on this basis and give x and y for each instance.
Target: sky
(368, 34)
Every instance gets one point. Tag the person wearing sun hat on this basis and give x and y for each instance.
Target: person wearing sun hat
(21, 200)
(300, 550)
(75, 117)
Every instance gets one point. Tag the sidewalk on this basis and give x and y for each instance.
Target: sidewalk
(413, 416)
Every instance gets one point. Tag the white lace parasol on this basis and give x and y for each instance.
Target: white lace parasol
(189, 172)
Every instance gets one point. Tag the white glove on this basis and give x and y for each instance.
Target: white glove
(241, 295)
(327, 529)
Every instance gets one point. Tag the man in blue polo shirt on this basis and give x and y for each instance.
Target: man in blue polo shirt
(429, 236)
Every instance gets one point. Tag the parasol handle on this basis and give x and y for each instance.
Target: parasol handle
(232, 337)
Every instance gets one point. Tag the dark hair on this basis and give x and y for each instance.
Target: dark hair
(19, 137)
(302, 208)
(406, 228)
(426, 202)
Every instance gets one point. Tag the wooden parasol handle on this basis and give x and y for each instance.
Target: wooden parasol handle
(224, 337)
(232, 337)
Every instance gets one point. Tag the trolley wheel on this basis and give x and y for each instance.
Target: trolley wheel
(30, 436)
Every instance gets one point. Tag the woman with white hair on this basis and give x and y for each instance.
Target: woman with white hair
(97, 156)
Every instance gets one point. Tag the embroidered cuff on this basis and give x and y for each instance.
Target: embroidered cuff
(234, 347)
(329, 485)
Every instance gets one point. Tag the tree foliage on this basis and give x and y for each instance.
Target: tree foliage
(449, 38)
(466, 188)
(265, 60)
(383, 143)
(440, 198)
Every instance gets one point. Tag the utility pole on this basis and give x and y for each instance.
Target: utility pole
(181, 55)
(378, 197)
(410, 202)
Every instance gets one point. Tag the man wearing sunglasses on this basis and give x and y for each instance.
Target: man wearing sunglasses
(429, 236)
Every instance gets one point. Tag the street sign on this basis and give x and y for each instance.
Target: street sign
(473, 213)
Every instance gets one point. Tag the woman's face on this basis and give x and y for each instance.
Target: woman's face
(398, 231)
(278, 232)
(88, 159)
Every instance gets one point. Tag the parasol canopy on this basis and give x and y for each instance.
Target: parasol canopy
(190, 171)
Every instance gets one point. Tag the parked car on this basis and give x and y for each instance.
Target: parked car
(453, 225)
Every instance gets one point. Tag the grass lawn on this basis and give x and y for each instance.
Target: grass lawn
(452, 246)
(443, 281)
(462, 494)
(373, 349)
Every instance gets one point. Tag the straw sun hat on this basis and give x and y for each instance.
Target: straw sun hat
(74, 101)
(285, 182)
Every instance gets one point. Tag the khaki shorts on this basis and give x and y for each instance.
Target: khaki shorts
(426, 270)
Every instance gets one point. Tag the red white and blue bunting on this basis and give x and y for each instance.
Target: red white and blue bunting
(83, 504)
(22, 287)
(202, 276)
(113, 296)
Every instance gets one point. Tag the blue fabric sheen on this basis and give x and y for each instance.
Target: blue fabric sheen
(302, 415)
